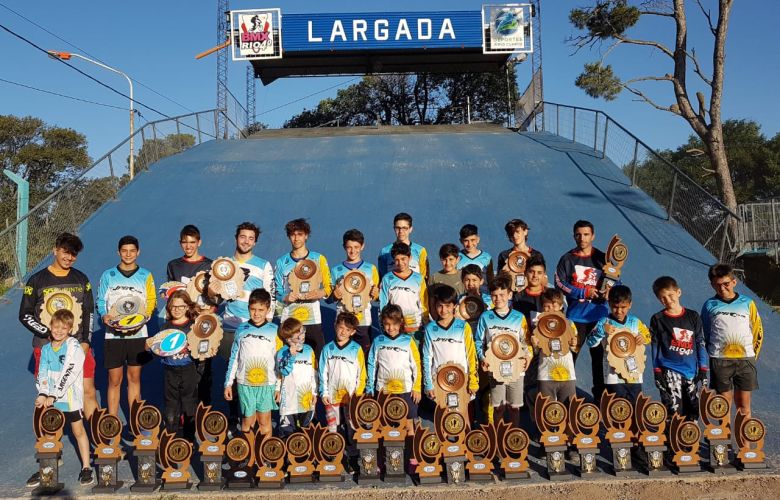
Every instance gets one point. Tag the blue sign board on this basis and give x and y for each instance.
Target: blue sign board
(381, 30)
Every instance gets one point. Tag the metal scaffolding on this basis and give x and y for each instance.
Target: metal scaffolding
(251, 91)
(223, 9)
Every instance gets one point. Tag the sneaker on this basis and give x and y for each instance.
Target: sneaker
(35, 480)
(85, 477)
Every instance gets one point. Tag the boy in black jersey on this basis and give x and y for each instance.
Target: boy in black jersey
(517, 234)
(680, 359)
(529, 300)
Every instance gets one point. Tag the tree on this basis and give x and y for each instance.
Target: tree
(156, 149)
(610, 20)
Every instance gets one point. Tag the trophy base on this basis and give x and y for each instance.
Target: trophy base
(211, 486)
(394, 477)
(44, 491)
(508, 475)
(751, 465)
(624, 469)
(144, 487)
(725, 447)
(176, 485)
(586, 469)
(723, 470)
(660, 472)
(687, 469)
(301, 479)
(271, 485)
(661, 469)
(331, 478)
(107, 489)
(455, 470)
(239, 485)
(430, 479)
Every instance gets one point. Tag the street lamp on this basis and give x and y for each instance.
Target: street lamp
(66, 56)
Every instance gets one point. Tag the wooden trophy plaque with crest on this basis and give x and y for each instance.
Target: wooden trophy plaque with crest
(583, 430)
(211, 428)
(145, 421)
(48, 424)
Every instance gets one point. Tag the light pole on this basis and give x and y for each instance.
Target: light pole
(65, 56)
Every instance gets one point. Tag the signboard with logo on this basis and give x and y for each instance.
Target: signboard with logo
(507, 29)
(256, 34)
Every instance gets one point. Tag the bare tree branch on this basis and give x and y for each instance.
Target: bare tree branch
(643, 97)
(665, 78)
(656, 13)
(697, 67)
(647, 43)
(708, 15)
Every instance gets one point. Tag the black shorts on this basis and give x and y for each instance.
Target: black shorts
(73, 416)
(117, 352)
(412, 413)
(730, 374)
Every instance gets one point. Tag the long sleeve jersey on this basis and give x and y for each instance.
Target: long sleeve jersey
(371, 274)
(183, 270)
(61, 375)
(409, 294)
(253, 355)
(43, 284)
(557, 369)
(529, 304)
(307, 312)
(258, 273)
(491, 324)
(115, 284)
(418, 263)
(483, 259)
(576, 274)
(732, 329)
(504, 255)
(393, 365)
(342, 371)
(298, 374)
(599, 334)
(451, 344)
(678, 343)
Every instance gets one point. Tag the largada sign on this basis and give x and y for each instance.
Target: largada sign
(266, 34)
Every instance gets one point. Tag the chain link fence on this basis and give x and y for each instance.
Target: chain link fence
(25, 243)
(690, 205)
(759, 228)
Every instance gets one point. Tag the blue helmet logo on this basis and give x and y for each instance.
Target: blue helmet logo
(506, 23)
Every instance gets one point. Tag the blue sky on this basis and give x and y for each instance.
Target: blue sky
(155, 43)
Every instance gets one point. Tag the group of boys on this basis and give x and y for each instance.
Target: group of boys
(287, 366)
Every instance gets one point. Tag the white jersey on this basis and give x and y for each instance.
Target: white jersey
(298, 373)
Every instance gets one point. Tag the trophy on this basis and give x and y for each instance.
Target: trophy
(749, 433)
(507, 358)
(584, 420)
(550, 417)
(626, 355)
(127, 313)
(471, 308)
(393, 423)
(300, 454)
(175, 455)
(168, 342)
(61, 299)
(715, 411)
(513, 450)
(240, 452)
(329, 452)
(617, 413)
(226, 279)
(616, 255)
(515, 265)
(204, 337)
(105, 431)
(650, 422)
(357, 292)
(450, 387)
(305, 277)
(145, 423)
(451, 429)
(211, 428)
(553, 334)
(684, 438)
(426, 448)
(166, 289)
(481, 448)
(197, 288)
(364, 415)
(270, 453)
(48, 424)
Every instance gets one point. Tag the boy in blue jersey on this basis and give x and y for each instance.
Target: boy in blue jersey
(418, 262)
(448, 340)
(354, 243)
(60, 382)
(504, 397)
(471, 254)
(680, 359)
(305, 307)
(406, 289)
(125, 347)
(252, 363)
(297, 367)
(342, 371)
(733, 333)
(618, 319)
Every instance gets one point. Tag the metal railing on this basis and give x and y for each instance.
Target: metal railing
(74, 202)
(690, 205)
(759, 228)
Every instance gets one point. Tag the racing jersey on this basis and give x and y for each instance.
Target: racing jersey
(491, 324)
(342, 371)
(61, 374)
(678, 343)
(407, 293)
(371, 274)
(504, 255)
(482, 259)
(183, 270)
(258, 273)
(393, 365)
(599, 335)
(451, 344)
(115, 284)
(299, 380)
(253, 355)
(576, 274)
(529, 304)
(43, 284)
(418, 263)
(732, 329)
(308, 311)
(560, 369)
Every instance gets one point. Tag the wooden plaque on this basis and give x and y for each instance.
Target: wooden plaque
(211, 428)
(451, 387)
(515, 265)
(427, 448)
(471, 308)
(551, 419)
(451, 427)
(241, 458)
(205, 336)
(394, 418)
(512, 449)
(617, 414)
(271, 453)
(356, 291)
(616, 255)
(329, 453)
(749, 433)
(61, 299)
(175, 455)
(481, 448)
(365, 413)
(145, 421)
(650, 421)
(715, 412)
(553, 334)
(684, 437)
(226, 279)
(583, 429)
(305, 277)
(300, 455)
(507, 358)
(48, 424)
(626, 355)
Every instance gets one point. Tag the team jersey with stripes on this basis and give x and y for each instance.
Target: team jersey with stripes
(253, 355)
(308, 311)
(115, 284)
(369, 271)
(451, 344)
(61, 374)
(298, 374)
(491, 324)
(342, 371)
(732, 329)
(576, 274)
(483, 259)
(418, 262)
(258, 273)
(393, 365)
(407, 293)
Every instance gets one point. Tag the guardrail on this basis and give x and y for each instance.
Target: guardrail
(690, 205)
(74, 202)
(759, 228)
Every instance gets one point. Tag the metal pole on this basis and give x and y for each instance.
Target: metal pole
(468, 110)
(197, 125)
(22, 208)
(775, 233)
(723, 240)
(671, 198)
(606, 132)
(596, 133)
(574, 129)
(178, 129)
(633, 173)
(557, 120)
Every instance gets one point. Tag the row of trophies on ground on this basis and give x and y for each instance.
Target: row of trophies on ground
(452, 451)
